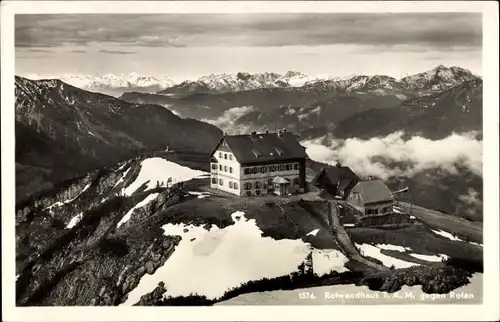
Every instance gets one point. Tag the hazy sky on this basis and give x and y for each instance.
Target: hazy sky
(189, 45)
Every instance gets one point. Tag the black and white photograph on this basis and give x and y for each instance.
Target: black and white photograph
(235, 159)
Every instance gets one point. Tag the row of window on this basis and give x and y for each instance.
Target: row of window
(376, 211)
(271, 168)
(232, 185)
(225, 156)
(222, 168)
(264, 185)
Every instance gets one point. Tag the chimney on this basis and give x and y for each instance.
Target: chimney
(338, 165)
(254, 134)
(267, 132)
(370, 178)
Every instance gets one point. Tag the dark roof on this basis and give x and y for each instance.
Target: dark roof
(373, 191)
(339, 175)
(262, 147)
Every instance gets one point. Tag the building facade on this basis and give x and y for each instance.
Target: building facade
(258, 164)
(371, 198)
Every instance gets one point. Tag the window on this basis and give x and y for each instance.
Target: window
(220, 155)
(255, 170)
(272, 168)
(248, 186)
(220, 167)
(263, 169)
(257, 192)
(214, 180)
(264, 185)
(225, 168)
(225, 156)
(230, 184)
(270, 181)
(289, 167)
(235, 185)
(221, 183)
(214, 166)
(246, 171)
(296, 166)
(249, 193)
(230, 169)
(257, 185)
(281, 167)
(230, 156)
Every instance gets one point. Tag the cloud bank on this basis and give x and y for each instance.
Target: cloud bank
(226, 122)
(391, 156)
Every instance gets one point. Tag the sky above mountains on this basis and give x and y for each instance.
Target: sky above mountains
(192, 45)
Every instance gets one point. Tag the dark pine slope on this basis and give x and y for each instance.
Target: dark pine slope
(436, 116)
(64, 127)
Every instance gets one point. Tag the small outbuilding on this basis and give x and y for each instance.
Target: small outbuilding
(338, 180)
(371, 198)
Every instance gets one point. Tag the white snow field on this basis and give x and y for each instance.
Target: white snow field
(374, 251)
(158, 170)
(211, 262)
(144, 202)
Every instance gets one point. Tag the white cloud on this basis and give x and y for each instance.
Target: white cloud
(226, 121)
(371, 157)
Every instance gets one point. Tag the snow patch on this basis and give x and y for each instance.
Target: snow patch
(327, 260)
(373, 251)
(450, 236)
(446, 235)
(122, 178)
(200, 194)
(430, 258)
(313, 233)
(393, 247)
(221, 259)
(144, 202)
(120, 167)
(59, 203)
(154, 170)
(75, 220)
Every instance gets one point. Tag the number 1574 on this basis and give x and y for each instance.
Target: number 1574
(307, 296)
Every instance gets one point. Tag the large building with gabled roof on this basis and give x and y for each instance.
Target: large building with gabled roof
(259, 164)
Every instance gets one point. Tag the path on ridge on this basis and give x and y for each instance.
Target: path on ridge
(345, 241)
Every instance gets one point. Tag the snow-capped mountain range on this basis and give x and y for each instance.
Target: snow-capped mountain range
(438, 78)
(224, 82)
